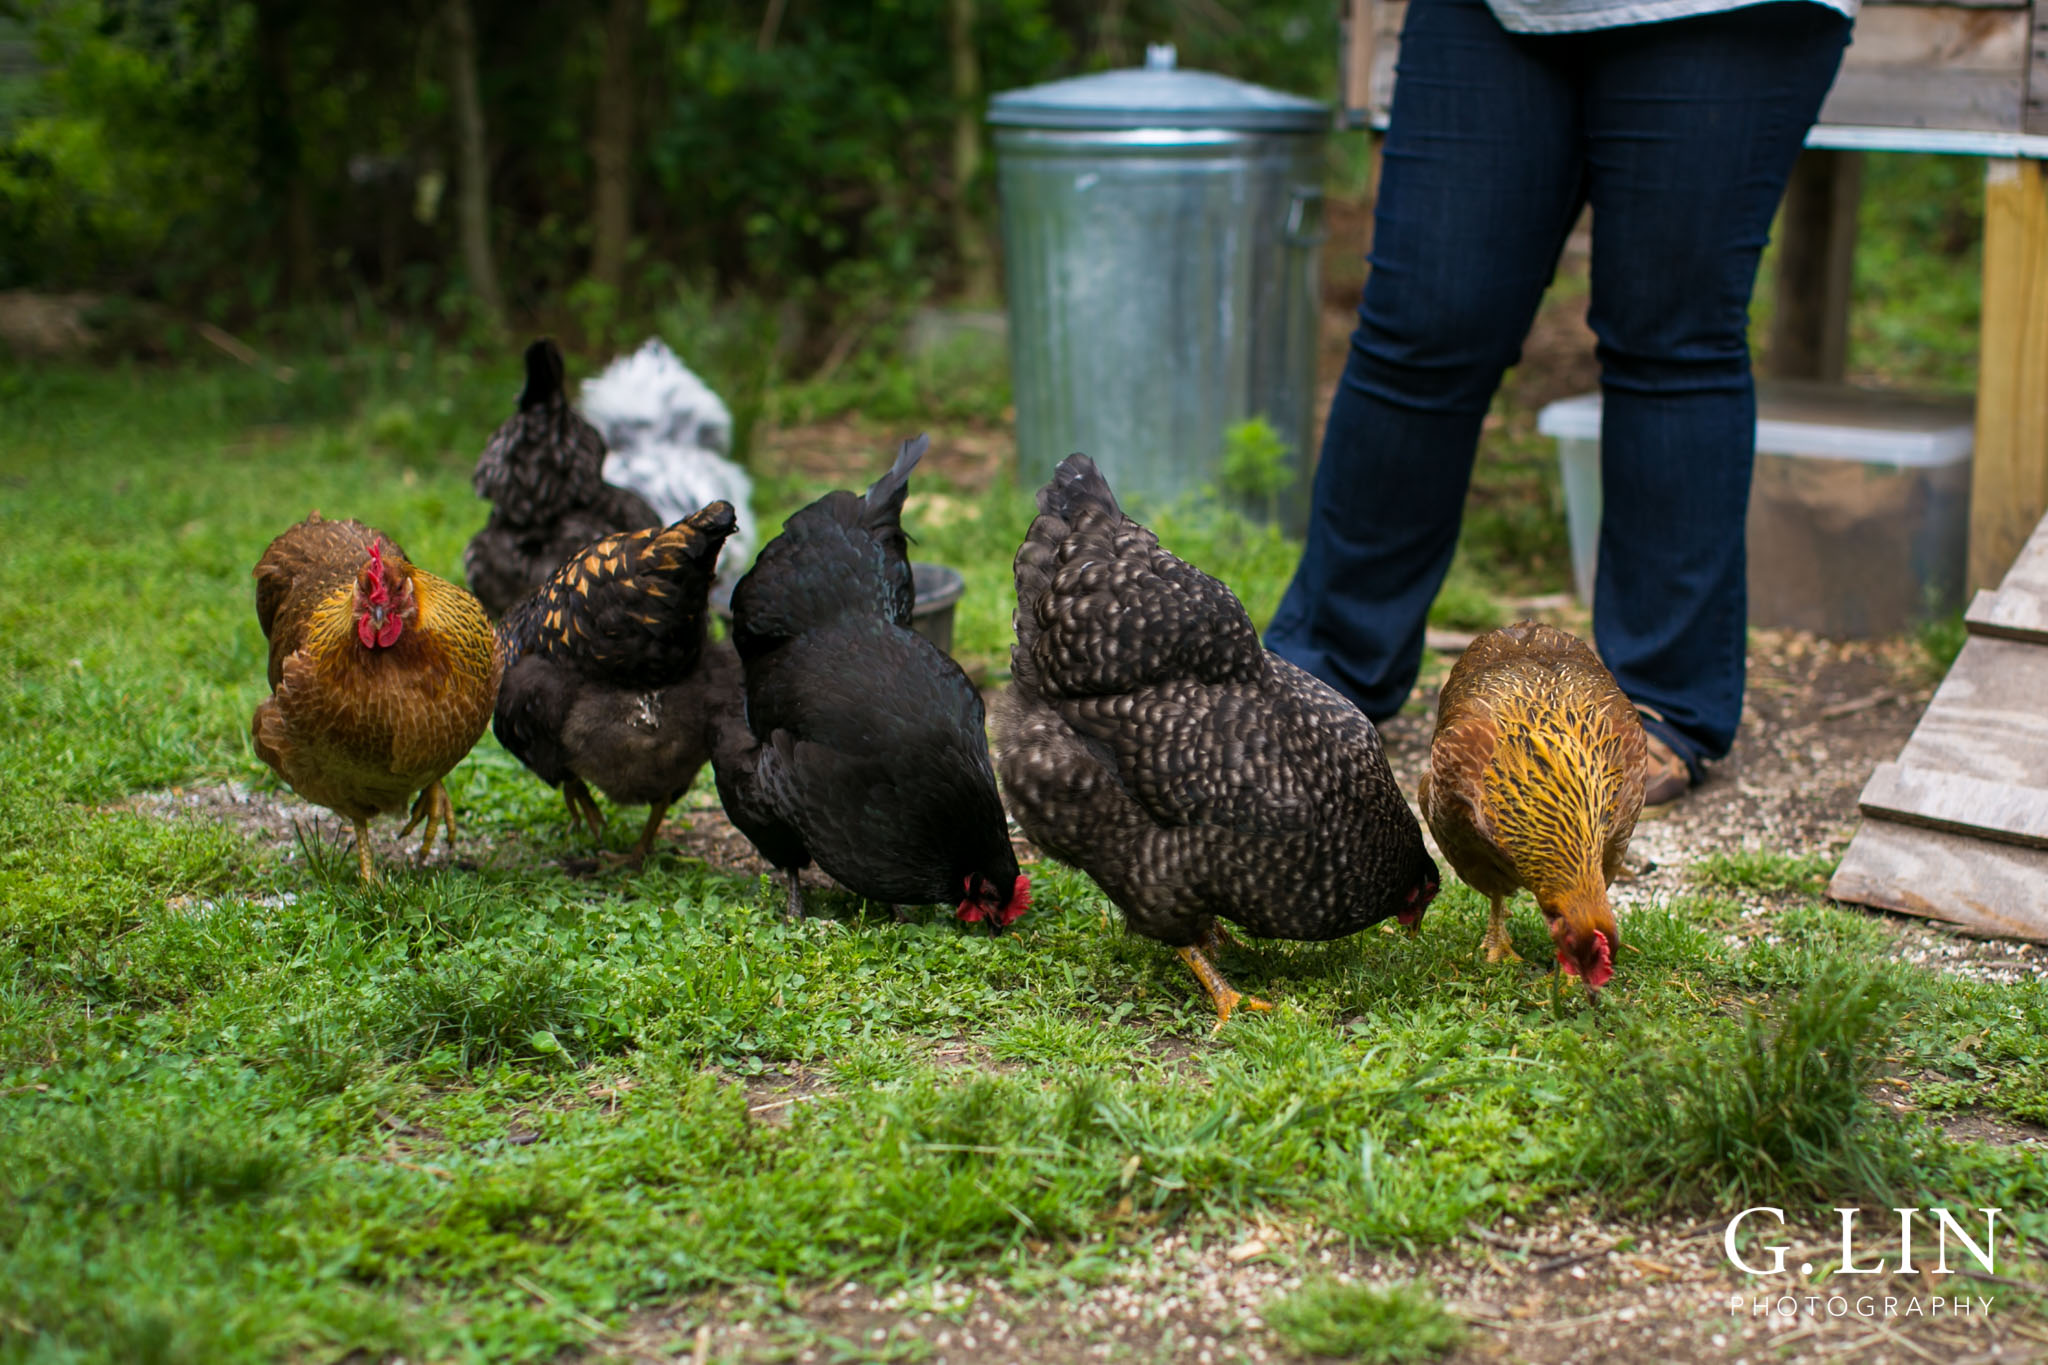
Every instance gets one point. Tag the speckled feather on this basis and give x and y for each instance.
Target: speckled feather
(861, 745)
(1149, 740)
(609, 678)
(358, 730)
(542, 473)
(1536, 771)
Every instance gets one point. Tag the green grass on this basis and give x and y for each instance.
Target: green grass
(251, 1110)
(1366, 1323)
(1767, 873)
(1771, 1106)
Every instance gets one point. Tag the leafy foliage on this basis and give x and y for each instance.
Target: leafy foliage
(227, 156)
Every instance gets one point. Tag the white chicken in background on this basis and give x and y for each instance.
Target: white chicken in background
(668, 435)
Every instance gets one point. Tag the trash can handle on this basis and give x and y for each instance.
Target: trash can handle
(1305, 216)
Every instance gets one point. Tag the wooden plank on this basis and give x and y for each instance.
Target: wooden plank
(2009, 614)
(2035, 117)
(2009, 483)
(1985, 888)
(1989, 718)
(1997, 811)
(1358, 47)
(1816, 266)
(2019, 609)
(1934, 66)
(1911, 97)
(1931, 38)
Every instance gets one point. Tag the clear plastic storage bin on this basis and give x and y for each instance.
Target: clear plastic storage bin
(1859, 516)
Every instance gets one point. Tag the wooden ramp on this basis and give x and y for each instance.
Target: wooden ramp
(1957, 829)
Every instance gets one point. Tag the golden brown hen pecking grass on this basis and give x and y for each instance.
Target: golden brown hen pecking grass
(1535, 780)
(381, 675)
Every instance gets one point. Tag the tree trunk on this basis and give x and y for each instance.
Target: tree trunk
(1816, 267)
(611, 147)
(472, 173)
(970, 235)
(279, 161)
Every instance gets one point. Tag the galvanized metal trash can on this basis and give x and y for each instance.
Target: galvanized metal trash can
(1160, 238)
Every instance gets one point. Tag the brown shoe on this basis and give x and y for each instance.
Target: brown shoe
(1665, 776)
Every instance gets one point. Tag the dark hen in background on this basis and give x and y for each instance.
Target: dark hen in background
(1147, 739)
(543, 475)
(861, 745)
(610, 680)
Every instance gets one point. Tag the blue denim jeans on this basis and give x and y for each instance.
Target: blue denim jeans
(1681, 136)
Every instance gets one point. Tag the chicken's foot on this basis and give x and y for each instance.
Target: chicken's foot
(638, 854)
(433, 808)
(1497, 946)
(794, 908)
(364, 867)
(1225, 996)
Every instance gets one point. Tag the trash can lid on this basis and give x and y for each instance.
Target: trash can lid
(1156, 95)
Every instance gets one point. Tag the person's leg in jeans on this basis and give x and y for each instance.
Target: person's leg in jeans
(1691, 131)
(1480, 181)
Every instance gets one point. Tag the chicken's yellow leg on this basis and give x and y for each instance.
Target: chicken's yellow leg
(1225, 996)
(363, 865)
(433, 809)
(1497, 946)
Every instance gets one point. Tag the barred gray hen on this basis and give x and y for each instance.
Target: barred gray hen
(543, 475)
(861, 745)
(1147, 739)
(610, 679)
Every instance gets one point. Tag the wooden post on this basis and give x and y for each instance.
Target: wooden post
(1816, 266)
(1358, 59)
(2009, 485)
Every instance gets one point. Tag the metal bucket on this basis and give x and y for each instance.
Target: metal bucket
(1160, 234)
(938, 590)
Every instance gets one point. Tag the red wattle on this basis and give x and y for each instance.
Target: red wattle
(388, 636)
(366, 632)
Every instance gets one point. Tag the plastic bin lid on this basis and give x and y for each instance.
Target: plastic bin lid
(1156, 95)
(1819, 421)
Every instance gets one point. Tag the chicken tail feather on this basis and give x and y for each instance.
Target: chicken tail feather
(885, 495)
(544, 373)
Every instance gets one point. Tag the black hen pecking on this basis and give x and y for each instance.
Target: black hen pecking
(609, 677)
(543, 474)
(861, 746)
(1147, 739)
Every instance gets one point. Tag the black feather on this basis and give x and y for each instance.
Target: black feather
(1149, 740)
(862, 745)
(543, 474)
(609, 676)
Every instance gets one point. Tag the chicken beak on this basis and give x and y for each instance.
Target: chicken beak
(377, 615)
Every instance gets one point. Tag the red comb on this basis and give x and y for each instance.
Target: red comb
(1020, 901)
(380, 594)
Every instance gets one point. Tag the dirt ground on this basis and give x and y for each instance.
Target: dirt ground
(1565, 1294)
